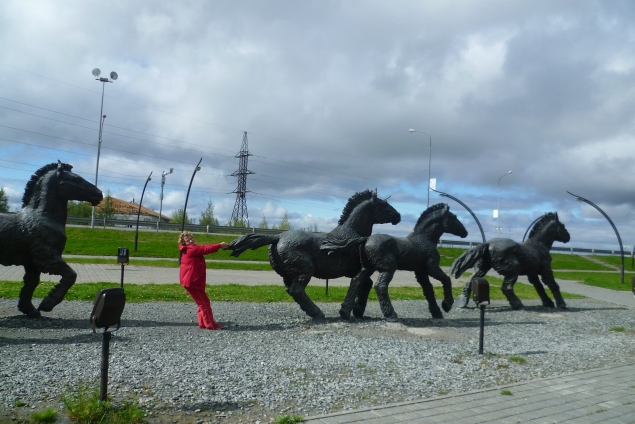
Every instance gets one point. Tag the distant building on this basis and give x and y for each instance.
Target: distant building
(128, 210)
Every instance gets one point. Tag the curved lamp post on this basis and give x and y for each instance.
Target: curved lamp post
(465, 206)
(429, 160)
(619, 240)
(103, 80)
(498, 211)
(136, 235)
(531, 225)
(198, 168)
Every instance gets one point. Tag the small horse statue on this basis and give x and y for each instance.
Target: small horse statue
(296, 256)
(35, 236)
(417, 252)
(511, 259)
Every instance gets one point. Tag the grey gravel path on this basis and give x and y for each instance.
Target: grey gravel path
(269, 361)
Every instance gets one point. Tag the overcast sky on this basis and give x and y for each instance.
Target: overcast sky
(327, 91)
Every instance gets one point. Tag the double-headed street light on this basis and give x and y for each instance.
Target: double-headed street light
(429, 160)
(498, 211)
(163, 175)
(113, 77)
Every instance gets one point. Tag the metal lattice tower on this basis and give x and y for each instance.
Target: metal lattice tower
(240, 207)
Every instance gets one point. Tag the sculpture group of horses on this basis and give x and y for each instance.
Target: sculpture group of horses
(35, 238)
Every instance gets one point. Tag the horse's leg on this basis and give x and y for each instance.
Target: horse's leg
(297, 290)
(533, 279)
(508, 291)
(550, 282)
(428, 292)
(353, 293)
(365, 286)
(31, 281)
(381, 288)
(56, 295)
(479, 272)
(448, 298)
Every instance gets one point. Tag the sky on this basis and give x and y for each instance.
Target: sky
(327, 92)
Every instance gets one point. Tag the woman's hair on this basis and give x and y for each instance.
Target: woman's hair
(184, 236)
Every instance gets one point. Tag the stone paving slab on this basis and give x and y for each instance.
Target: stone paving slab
(580, 397)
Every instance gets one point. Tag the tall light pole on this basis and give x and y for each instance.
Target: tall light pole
(163, 174)
(113, 77)
(498, 211)
(429, 160)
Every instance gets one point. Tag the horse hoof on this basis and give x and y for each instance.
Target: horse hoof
(393, 317)
(548, 304)
(46, 305)
(33, 314)
(346, 316)
(462, 301)
(518, 307)
(358, 313)
(447, 305)
(562, 305)
(437, 315)
(319, 320)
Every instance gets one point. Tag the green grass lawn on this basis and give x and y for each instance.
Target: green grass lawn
(575, 262)
(616, 260)
(105, 242)
(242, 293)
(599, 279)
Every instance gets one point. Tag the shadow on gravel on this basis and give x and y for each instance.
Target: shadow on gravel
(77, 339)
(459, 323)
(44, 323)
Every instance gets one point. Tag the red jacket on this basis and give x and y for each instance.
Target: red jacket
(192, 272)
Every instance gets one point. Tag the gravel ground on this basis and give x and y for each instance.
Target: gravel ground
(268, 361)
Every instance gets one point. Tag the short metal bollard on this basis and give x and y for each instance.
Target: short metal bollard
(123, 257)
(633, 284)
(480, 290)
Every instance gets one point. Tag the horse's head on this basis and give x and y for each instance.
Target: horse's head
(562, 234)
(383, 212)
(451, 223)
(73, 187)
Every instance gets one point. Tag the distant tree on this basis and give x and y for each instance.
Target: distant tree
(263, 224)
(4, 201)
(285, 224)
(80, 209)
(311, 229)
(107, 208)
(177, 217)
(207, 217)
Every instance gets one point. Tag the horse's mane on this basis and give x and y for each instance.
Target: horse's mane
(432, 209)
(31, 186)
(544, 220)
(353, 202)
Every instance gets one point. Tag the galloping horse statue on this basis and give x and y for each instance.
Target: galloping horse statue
(296, 256)
(417, 252)
(35, 236)
(511, 259)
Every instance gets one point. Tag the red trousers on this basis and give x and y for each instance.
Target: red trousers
(205, 315)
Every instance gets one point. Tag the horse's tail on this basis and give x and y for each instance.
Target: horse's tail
(338, 244)
(251, 241)
(468, 259)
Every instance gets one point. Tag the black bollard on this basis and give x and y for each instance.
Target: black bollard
(480, 290)
(105, 351)
(481, 336)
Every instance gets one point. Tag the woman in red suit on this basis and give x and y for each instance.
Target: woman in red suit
(192, 276)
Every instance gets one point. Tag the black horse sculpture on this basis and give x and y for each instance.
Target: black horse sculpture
(417, 252)
(296, 255)
(35, 237)
(511, 259)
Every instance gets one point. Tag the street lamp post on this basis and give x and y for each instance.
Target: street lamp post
(498, 211)
(136, 236)
(429, 160)
(161, 199)
(102, 117)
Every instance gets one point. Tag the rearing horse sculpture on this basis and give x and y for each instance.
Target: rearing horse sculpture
(417, 252)
(511, 259)
(35, 237)
(296, 255)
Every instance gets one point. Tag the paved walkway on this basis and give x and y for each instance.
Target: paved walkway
(604, 395)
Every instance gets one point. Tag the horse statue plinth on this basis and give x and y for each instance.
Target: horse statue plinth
(511, 259)
(35, 236)
(417, 252)
(296, 256)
